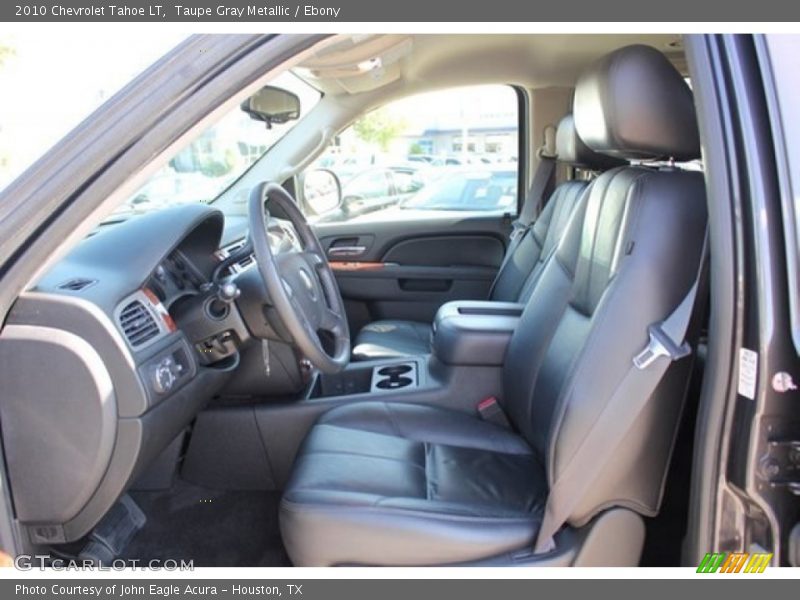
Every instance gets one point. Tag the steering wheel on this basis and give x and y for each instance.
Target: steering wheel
(300, 283)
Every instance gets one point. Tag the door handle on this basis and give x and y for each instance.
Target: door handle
(346, 251)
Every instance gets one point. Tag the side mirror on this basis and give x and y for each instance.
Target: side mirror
(322, 191)
(272, 105)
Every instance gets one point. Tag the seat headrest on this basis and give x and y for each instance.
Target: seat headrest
(571, 150)
(634, 104)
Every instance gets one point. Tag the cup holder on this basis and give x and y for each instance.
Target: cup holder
(395, 371)
(394, 382)
(394, 377)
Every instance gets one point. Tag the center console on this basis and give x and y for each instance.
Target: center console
(466, 334)
(362, 378)
(474, 333)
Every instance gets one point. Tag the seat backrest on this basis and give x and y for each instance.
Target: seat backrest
(626, 260)
(521, 268)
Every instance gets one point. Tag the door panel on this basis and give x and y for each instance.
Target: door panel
(406, 270)
(441, 233)
(448, 251)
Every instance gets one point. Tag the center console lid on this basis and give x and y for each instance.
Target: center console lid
(471, 332)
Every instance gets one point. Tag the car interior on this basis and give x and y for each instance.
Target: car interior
(239, 384)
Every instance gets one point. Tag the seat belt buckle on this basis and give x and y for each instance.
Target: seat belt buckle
(660, 344)
(490, 410)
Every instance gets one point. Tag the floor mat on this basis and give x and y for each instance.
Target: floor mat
(212, 528)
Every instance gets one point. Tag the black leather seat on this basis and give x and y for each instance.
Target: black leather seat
(403, 484)
(519, 272)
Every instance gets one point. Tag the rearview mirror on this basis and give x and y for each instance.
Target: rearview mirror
(272, 105)
(322, 191)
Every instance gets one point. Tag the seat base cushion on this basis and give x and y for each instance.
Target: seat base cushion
(379, 483)
(391, 339)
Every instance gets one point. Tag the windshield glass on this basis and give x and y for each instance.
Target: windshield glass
(216, 158)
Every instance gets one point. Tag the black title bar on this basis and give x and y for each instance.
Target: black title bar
(443, 11)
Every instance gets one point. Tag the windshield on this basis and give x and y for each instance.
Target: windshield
(215, 159)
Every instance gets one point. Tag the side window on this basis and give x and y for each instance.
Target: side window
(426, 156)
(366, 185)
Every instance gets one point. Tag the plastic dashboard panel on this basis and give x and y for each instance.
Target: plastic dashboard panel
(82, 420)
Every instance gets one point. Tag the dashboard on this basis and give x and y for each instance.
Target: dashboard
(120, 344)
(175, 278)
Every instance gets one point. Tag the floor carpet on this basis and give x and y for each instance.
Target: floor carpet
(212, 528)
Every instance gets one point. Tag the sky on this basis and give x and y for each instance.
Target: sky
(52, 82)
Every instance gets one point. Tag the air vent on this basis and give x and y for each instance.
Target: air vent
(77, 284)
(138, 323)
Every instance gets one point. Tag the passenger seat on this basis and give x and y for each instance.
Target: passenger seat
(524, 258)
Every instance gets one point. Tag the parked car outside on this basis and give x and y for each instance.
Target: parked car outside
(376, 189)
(470, 189)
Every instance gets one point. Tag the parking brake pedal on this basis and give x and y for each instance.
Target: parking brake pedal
(114, 531)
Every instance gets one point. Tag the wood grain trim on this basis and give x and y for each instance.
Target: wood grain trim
(355, 265)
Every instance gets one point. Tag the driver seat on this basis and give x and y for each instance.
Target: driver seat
(393, 483)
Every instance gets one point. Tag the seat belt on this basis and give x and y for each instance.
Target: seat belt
(541, 188)
(667, 344)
